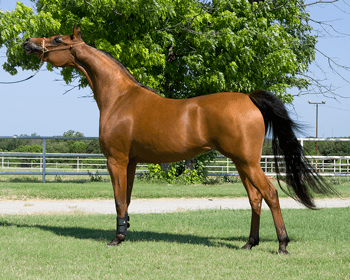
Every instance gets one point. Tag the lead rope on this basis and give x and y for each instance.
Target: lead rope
(41, 64)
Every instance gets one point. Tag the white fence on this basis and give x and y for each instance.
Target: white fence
(325, 165)
(83, 164)
(57, 163)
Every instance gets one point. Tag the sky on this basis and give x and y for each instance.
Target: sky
(40, 106)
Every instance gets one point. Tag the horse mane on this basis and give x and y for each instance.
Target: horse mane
(127, 71)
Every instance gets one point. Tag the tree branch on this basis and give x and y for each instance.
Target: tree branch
(320, 2)
(321, 23)
(89, 4)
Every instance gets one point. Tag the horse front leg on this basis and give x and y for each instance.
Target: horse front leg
(130, 179)
(118, 172)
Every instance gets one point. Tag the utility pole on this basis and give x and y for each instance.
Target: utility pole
(317, 103)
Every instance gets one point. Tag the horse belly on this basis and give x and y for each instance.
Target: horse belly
(157, 156)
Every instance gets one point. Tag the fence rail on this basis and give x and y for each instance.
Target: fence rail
(56, 164)
(325, 166)
(84, 164)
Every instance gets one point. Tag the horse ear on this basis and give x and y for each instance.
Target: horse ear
(76, 32)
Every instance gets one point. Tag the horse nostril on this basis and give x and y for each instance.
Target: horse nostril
(27, 40)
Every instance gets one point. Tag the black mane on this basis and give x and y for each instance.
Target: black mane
(127, 71)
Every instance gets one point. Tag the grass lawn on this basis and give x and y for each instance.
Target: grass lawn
(182, 245)
(142, 189)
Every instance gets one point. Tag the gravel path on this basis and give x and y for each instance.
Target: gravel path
(148, 206)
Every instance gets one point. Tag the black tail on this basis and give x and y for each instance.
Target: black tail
(301, 178)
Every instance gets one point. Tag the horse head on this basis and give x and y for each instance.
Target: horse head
(56, 50)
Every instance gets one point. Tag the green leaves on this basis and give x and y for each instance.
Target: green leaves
(19, 24)
(181, 48)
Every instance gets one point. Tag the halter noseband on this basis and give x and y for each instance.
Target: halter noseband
(45, 50)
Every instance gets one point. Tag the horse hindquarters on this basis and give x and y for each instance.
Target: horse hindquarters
(301, 178)
(239, 134)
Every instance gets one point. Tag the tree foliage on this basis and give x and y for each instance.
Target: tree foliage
(324, 148)
(182, 48)
(328, 148)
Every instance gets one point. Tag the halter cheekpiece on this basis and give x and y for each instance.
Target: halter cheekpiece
(45, 50)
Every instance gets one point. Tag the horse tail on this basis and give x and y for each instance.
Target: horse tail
(301, 178)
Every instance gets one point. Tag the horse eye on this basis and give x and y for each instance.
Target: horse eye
(58, 40)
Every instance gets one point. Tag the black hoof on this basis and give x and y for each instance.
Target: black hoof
(251, 243)
(119, 238)
(247, 246)
(283, 252)
(283, 248)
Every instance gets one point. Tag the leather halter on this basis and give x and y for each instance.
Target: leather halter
(45, 50)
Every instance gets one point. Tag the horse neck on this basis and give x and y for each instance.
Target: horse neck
(107, 79)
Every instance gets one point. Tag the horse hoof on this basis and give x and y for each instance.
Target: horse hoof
(283, 252)
(119, 238)
(247, 246)
(251, 243)
(114, 243)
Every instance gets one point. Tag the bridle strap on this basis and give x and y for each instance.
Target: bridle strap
(45, 50)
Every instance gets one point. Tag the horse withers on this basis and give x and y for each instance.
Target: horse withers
(138, 125)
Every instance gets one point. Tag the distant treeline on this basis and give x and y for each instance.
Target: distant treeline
(325, 148)
(52, 145)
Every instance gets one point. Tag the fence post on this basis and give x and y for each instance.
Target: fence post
(44, 159)
(340, 165)
(323, 165)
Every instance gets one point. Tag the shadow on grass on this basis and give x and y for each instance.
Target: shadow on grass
(138, 236)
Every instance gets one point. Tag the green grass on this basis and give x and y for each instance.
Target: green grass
(103, 190)
(182, 245)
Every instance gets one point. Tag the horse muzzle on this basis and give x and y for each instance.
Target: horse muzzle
(30, 47)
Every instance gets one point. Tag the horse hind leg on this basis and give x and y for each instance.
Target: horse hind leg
(255, 200)
(260, 182)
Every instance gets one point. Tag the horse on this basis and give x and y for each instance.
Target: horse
(138, 125)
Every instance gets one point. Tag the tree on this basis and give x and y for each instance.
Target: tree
(330, 148)
(11, 144)
(181, 48)
(68, 145)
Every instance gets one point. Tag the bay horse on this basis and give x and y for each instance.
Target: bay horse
(138, 125)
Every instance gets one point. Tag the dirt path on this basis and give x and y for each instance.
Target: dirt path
(148, 205)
